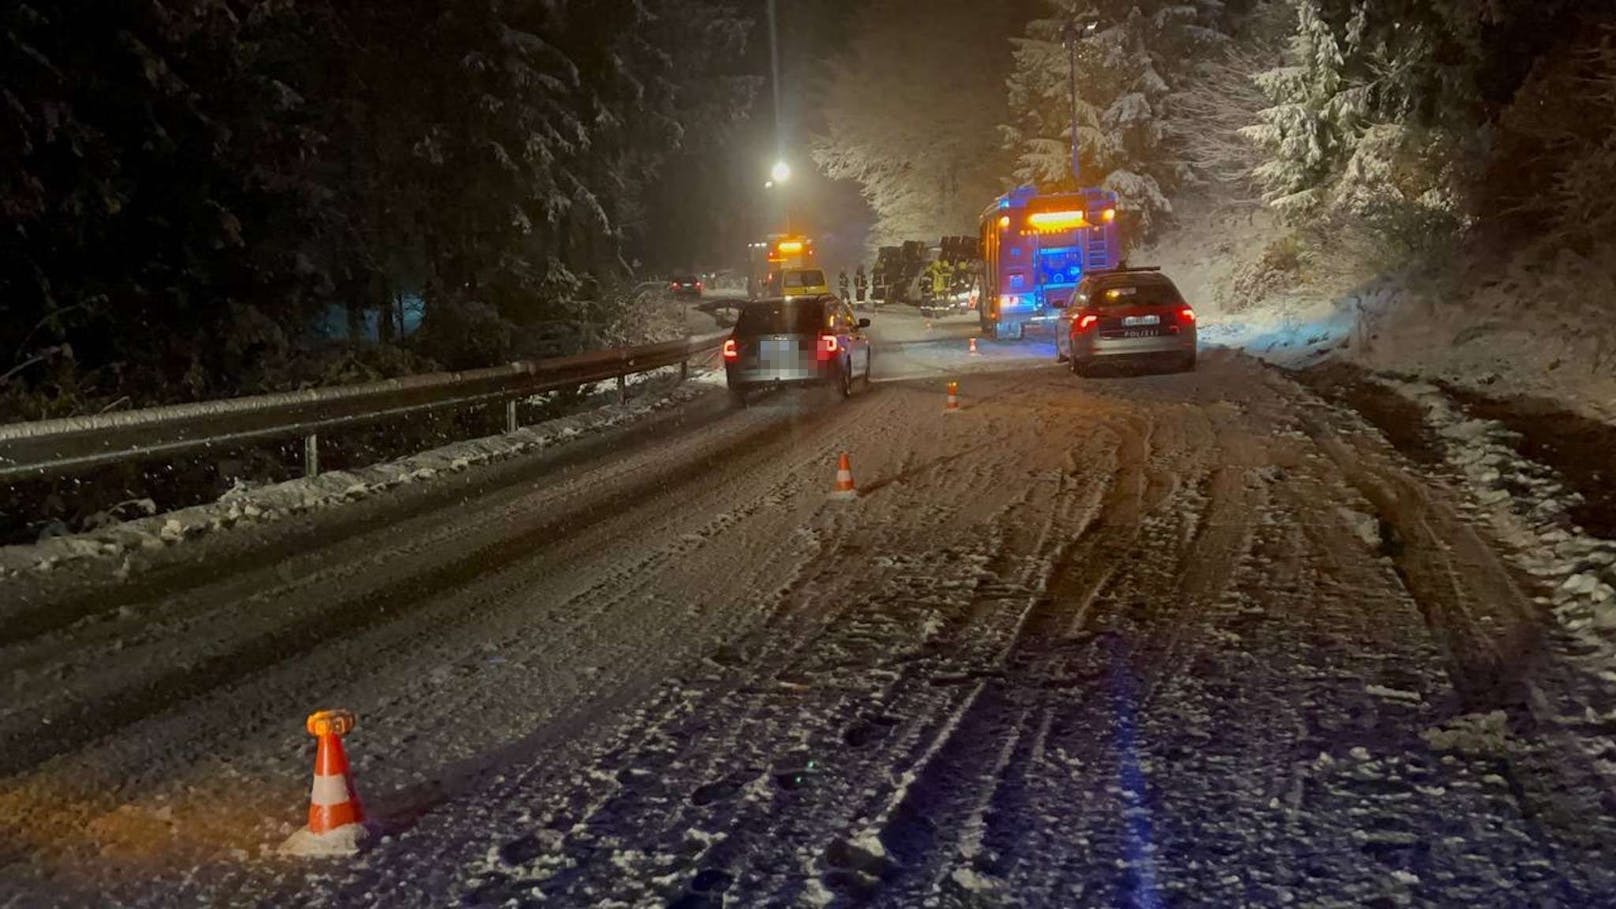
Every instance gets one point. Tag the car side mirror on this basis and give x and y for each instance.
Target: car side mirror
(864, 323)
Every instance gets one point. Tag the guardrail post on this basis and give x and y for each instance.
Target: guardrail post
(622, 389)
(510, 416)
(311, 455)
(684, 370)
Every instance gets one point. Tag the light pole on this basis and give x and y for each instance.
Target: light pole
(1072, 35)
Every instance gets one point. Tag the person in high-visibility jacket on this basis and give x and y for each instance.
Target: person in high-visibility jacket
(841, 283)
(941, 275)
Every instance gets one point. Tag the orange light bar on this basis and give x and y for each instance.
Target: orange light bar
(1056, 220)
(790, 246)
(1108, 215)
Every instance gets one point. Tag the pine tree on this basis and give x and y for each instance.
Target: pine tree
(1127, 73)
(1318, 112)
(190, 184)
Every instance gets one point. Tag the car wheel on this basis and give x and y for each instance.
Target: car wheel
(844, 381)
(1079, 368)
(737, 397)
(1188, 364)
(869, 367)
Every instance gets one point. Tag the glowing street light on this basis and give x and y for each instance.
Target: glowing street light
(781, 172)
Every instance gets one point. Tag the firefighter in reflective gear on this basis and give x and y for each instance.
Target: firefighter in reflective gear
(941, 276)
(861, 283)
(841, 283)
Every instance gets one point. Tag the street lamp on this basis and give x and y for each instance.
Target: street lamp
(781, 172)
(1072, 35)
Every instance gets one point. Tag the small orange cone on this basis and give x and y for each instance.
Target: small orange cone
(844, 479)
(336, 819)
(974, 351)
(953, 398)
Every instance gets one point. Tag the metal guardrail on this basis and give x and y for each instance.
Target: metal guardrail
(62, 447)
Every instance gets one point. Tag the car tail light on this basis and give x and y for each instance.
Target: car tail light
(1085, 322)
(1186, 316)
(828, 346)
(730, 351)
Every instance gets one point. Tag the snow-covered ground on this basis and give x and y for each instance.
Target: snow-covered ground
(1157, 640)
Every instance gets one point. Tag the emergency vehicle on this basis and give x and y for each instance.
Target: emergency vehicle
(772, 256)
(1036, 247)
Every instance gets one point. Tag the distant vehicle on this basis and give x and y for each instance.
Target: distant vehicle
(792, 283)
(685, 286)
(773, 255)
(813, 341)
(1036, 247)
(1126, 314)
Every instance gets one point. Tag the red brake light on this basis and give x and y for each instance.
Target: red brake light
(1085, 322)
(828, 346)
(1186, 316)
(730, 353)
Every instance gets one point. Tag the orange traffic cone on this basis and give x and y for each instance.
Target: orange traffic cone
(336, 819)
(953, 398)
(844, 479)
(974, 351)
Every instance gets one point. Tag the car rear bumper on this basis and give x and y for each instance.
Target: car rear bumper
(753, 377)
(1094, 348)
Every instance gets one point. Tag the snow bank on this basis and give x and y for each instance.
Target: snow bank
(244, 505)
(1533, 332)
(1528, 506)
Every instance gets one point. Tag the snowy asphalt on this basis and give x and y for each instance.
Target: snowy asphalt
(1148, 640)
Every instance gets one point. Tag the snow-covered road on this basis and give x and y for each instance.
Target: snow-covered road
(1150, 640)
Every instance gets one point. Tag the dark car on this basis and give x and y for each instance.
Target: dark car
(1126, 314)
(799, 341)
(685, 286)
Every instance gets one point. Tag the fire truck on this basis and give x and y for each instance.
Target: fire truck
(773, 254)
(1035, 248)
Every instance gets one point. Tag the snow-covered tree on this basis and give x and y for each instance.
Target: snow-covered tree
(911, 114)
(188, 185)
(1318, 109)
(1128, 70)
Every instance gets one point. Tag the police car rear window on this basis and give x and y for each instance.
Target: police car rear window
(1142, 294)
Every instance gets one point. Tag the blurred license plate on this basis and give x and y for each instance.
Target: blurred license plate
(1131, 321)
